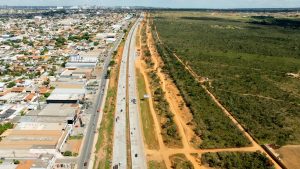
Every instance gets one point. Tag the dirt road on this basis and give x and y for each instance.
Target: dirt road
(182, 115)
(200, 79)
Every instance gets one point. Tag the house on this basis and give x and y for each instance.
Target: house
(18, 89)
(30, 97)
(43, 90)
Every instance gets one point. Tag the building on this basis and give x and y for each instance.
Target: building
(39, 132)
(66, 95)
(78, 61)
(77, 73)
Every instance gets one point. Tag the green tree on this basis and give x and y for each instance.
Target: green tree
(46, 95)
(96, 43)
(16, 161)
(11, 84)
(67, 153)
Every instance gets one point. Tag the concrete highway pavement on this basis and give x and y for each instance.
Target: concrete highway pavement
(119, 160)
(85, 155)
(119, 157)
(119, 145)
(138, 159)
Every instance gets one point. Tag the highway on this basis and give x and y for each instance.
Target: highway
(85, 155)
(119, 160)
(138, 159)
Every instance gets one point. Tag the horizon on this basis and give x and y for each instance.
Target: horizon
(185, 4)
(153, 7)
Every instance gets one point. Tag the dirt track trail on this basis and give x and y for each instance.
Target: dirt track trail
(172, 151)
(200, 79)
(173, 99)
(141, 66)
(156, 121)
(164, 152)
(181, 113)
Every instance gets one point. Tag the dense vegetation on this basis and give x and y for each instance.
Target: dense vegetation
(237, 160)
(245, 62)
(214, 128)
(269, 20)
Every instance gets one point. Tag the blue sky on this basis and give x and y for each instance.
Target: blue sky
(164, 3)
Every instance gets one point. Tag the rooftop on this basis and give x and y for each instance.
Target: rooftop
(18, 139)
(40, 126)
(56, 110)
(41, 119)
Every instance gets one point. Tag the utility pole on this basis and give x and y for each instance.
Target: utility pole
(38, 97)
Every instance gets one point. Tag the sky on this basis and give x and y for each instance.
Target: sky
(161, 3)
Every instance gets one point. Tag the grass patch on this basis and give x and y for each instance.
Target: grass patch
(156, 165)
(77, 137)
(147, 119)
(107, 125)
(179, 161)
(106, 133)
(5, 126)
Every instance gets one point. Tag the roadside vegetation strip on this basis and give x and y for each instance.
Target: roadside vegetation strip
(248, 64)
(76, 137)
(179, 161)
(237, 160)
(169, 129)
(147, 119)
(104, 142)
(105, 138)
(145, 49)
(156, 165)
(212, 126)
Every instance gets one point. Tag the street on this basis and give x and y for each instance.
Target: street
(85, 155)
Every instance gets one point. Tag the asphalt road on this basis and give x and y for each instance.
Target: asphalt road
(119, 160)
(86, 152)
